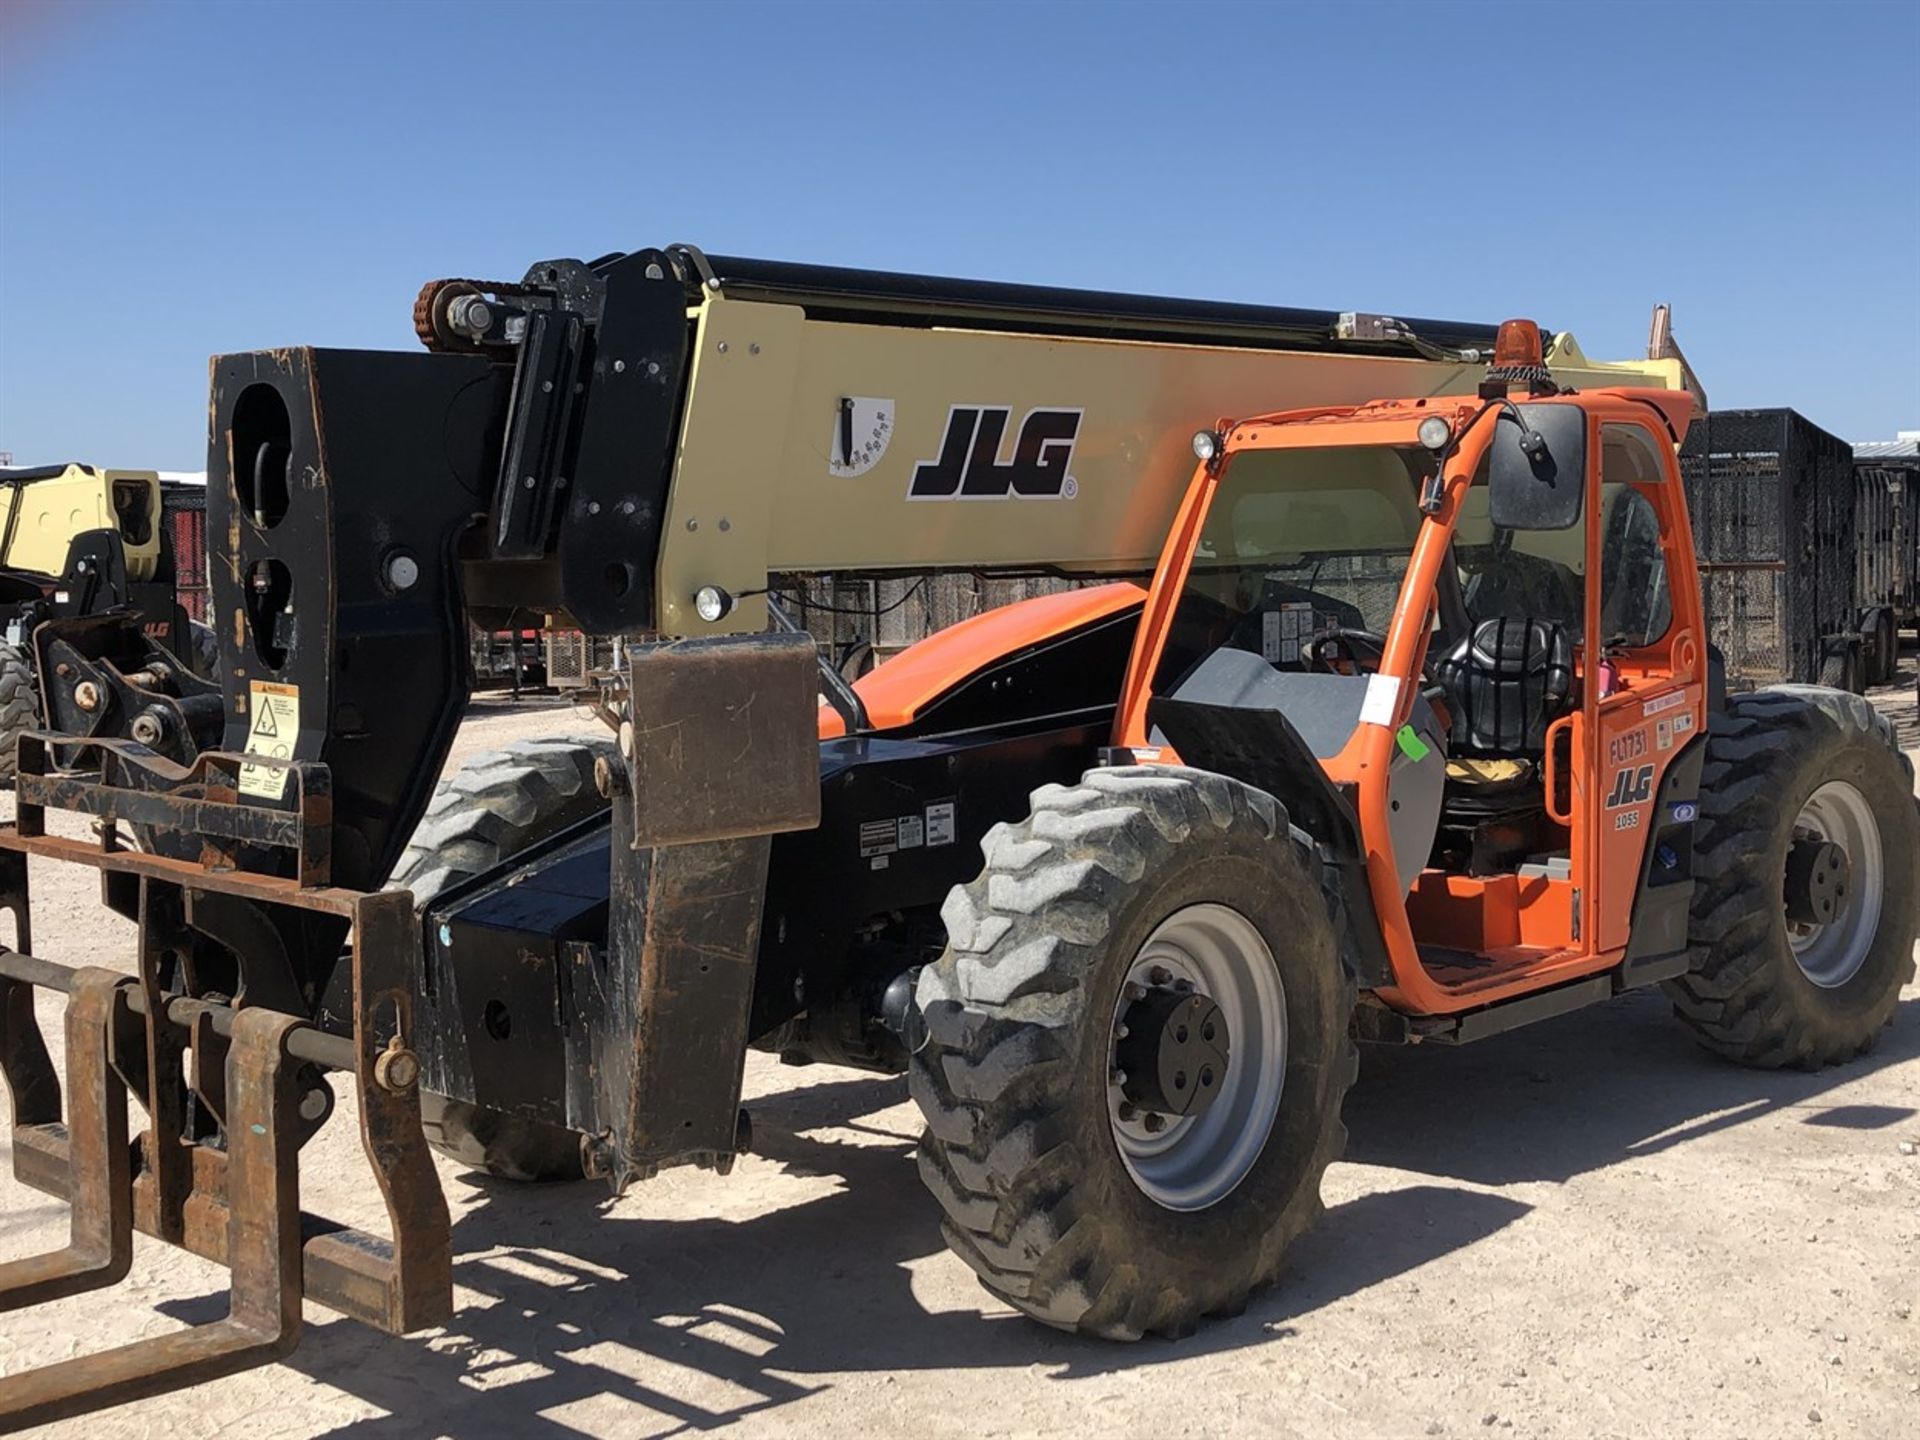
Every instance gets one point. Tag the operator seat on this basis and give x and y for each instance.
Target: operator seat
(1505, 682)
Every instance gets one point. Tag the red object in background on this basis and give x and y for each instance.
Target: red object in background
(189, 536)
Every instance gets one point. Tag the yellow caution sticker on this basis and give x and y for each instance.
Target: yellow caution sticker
(276, 724)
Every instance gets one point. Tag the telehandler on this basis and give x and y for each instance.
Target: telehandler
(1413, 735)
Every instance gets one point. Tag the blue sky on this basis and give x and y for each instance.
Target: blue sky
(178, 180)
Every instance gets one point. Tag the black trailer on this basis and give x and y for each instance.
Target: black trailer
(1887, 498)
(1777, 525)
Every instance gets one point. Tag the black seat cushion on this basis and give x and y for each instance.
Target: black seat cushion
(1506, 682)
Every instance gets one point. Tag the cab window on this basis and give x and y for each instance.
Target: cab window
(1515, 574)
(1636, 604)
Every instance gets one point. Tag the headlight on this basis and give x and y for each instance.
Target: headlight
(1206, 445)
(712, 604)
(1435, 432)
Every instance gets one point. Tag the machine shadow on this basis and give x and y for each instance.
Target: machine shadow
(1619, 1081)
(669, 1325)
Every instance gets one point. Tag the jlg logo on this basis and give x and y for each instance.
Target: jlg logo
(1631, 787)
(970, 468)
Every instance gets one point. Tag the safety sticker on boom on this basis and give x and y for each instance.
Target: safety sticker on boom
(276, 724)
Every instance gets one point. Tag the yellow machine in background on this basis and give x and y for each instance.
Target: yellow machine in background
(42, 509)
(80, 539)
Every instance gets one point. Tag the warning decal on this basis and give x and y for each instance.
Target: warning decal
(276, 725)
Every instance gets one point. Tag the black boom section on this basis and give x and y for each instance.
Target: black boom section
(832, 292)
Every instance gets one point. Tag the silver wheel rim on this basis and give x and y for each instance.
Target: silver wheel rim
(1196, 1161)
(1830, 955)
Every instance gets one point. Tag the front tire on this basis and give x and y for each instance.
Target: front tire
(1799, 959)
(1054, 1190)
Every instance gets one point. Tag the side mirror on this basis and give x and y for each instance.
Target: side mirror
(1537, 476)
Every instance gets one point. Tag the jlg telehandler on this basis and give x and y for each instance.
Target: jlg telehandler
(1413, 736)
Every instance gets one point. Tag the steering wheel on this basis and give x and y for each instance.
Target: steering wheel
(1354, 645)
(1358, 646)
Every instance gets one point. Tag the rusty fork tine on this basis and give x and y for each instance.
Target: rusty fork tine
(263, 1323)
(99, 1250)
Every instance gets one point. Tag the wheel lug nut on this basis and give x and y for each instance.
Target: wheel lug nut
(1159, 975)
(1135, 990)
(1155, 1122)
(1120, 1031)
(1127, 1110)
(1116, 1076)
(1185, 987)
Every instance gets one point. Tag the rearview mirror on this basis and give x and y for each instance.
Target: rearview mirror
(1536, 477)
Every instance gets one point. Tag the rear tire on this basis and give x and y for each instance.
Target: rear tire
(496, 805)
(19, 708)
(1048, 1191)
(1786, 766)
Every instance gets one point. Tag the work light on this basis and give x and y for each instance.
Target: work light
(1435, 432)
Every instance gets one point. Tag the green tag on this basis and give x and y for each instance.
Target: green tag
(1411, 745)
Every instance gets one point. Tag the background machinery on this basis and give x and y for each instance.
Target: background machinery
(78, 540)
(1418, 670)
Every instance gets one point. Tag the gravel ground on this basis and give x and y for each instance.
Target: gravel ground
(1587, 1228)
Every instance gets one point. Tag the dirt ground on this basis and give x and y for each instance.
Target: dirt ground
(1588, 1228)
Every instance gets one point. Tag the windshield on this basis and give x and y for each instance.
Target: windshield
(1297, 543)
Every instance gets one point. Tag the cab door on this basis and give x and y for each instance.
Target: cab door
(1647, 678)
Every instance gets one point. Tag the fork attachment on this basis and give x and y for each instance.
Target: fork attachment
(230, 1093)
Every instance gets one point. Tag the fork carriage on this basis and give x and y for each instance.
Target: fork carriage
(228, 1095)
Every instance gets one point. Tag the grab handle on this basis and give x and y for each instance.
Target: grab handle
(1556, 770)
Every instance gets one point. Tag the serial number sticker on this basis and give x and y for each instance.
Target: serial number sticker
(940, 824)
(913, 832)
(275, 727)
(879, 837)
